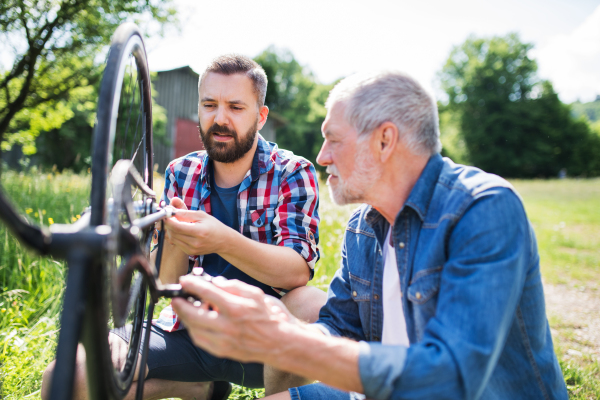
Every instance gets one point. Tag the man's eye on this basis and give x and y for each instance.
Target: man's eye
(236, 108)
(208, 105)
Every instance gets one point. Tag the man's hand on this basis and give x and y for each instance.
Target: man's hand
(235, 320)
(240, 322)
(195, 232)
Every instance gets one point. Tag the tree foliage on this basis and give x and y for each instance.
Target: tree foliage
(513, 124)
(297, 100)
(56, 46)
(69, 147)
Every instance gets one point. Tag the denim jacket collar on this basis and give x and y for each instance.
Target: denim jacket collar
(419, 198)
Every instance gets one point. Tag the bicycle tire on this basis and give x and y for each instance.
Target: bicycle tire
(106, 380)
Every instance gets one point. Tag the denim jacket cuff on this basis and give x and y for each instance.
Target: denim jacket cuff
(380, 367)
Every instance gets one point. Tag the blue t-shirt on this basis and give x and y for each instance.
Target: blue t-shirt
(223, 205)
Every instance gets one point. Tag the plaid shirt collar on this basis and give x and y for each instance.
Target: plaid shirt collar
(261, 163)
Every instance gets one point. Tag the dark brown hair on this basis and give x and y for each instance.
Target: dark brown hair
(230, 64)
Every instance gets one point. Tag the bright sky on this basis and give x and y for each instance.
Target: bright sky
(335, 38)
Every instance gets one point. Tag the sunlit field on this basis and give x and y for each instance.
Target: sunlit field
(565, 215)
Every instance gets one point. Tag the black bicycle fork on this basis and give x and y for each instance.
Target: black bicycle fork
(71, 322)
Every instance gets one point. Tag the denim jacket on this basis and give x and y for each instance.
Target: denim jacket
(471, 288)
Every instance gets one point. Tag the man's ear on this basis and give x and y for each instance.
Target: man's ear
(263, 112)
(386, 137)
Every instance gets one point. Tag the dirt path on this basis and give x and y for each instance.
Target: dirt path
(574, 315)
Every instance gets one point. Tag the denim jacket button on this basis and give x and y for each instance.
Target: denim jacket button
(418, 295)
(401, 245)
(376, 297)
(354, 294)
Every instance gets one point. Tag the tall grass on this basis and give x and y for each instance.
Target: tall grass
(32, 286)
(565, 215)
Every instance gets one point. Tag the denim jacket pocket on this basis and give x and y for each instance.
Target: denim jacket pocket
(360, 291)
(424, 285)
(361, 288)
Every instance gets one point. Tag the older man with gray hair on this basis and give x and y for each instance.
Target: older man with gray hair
(439, 293)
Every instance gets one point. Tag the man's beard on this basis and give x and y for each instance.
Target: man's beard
(227, 152)
(356, 187)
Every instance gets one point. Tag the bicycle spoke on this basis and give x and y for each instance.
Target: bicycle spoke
(130, 101)
(127, 123)
(136, 135)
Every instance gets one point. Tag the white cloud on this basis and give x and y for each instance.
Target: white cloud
(572, 61)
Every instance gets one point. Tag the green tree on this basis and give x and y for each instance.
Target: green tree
(513, 124)
(56, 46)
(296, 98)
(69, 147)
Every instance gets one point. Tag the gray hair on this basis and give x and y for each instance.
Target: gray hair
(374, 98)
(230, 64)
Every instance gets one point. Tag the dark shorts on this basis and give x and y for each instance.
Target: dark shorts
(173, 356)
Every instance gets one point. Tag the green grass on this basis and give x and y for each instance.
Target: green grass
(565, 215)
(32, 286)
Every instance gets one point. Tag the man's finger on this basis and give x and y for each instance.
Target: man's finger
(238, 288)
(176, 236)
(191, 216)
(209, 292)
(178, 203)
(198, 318)
(187, 228)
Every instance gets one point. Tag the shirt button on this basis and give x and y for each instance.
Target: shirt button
(354, 294)
(418, 295)
(401, 245)
(376, 297)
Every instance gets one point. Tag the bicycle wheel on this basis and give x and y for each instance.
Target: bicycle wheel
(123, 131)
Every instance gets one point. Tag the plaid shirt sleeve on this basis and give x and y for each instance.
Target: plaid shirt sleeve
(171, 188)
(297, 217)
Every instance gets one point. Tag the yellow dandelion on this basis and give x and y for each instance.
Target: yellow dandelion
(50, 220)
(78, 216)
(4, 310)
(29, 210)
(73, 219)
(36, 214)
(43, 212)
(49, 176)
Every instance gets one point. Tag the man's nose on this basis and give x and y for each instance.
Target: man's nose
(324, 156)
(221, 117)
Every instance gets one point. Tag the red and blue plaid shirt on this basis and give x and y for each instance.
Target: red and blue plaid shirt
(277, 202)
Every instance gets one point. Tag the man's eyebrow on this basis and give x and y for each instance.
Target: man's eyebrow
(238, 102)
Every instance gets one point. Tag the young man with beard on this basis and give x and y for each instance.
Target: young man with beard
(439, 293)
(248, 211)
